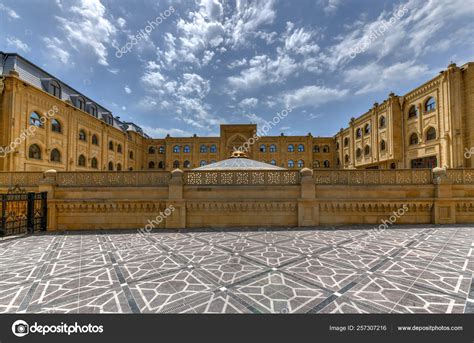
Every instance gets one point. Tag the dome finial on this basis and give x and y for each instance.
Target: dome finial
(238, 154)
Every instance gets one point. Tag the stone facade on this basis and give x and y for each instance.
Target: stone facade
(430, 126)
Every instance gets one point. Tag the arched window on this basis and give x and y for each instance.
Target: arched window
(366, 150)
(130, 154)
(413, 139)
(383, 145)
(95, 140)
(161, 165)
(176, 149)
(346, 142)
(431, 134)
(338, 161)
(300, 163)
(358, 152)
(82, 135)
(273, 162)
(81, 161)
(382, 122)
(213, 149)
(346, 159)
(316, 148)
(291, 164)
(337, 146)
(94, 163)
(55, 89)
(413, 112)
(273, 148)
(35, 120)
(119, 167)
(202, 163)
(186, 164)
(203, 149)
(430, 105)
(34, 152)
(326, 148)
(130, 169)
(316, 164)
(263, 148)
(151, 165)
(300, 148)
(176, 164)
(55, 155)
(119, 148)
(359, 132)
(111, 166)
(111, 145)
(291, 148)
(187, 149)
(152, 150)
(326, 164)
(56, 126)
(161, 150)
(367, 129)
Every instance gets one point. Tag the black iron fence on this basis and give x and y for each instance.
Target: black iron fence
(22, 212)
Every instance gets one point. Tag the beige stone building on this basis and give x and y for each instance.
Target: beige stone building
(46, 124)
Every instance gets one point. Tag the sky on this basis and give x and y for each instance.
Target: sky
(185, 67)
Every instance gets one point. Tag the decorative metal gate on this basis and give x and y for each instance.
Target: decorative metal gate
(22, 212)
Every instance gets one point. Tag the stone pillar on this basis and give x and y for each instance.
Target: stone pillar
(177, 220)
(308, 209)
(444, 209)
(48, 184)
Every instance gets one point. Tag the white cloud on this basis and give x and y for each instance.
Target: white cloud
(331, 6)
(127, 89)
(375, 77)
(55, 48)
(263, 70)
(407, 29)
(312, 96)
(17, 44)
(185, 95)
(88, 26)
(248, 103)
(11, 13)
(237, 63)
(250, 15)
(300, 41)
(121, 22)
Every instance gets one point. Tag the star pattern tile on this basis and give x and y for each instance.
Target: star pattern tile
(404, 269)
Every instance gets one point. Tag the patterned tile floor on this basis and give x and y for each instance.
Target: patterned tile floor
(406, 269)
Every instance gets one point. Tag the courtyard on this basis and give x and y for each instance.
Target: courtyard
(404, 269)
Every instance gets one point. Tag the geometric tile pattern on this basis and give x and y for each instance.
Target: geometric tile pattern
(404, 269)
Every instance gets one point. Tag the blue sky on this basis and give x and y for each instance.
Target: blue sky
(209, 62)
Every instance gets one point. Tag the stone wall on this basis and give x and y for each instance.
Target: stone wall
(90, 200)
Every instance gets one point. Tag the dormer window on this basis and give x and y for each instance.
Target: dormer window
(55, 89)
(93, 110)
(81, 104)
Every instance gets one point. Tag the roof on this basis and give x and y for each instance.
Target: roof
(239, 164)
